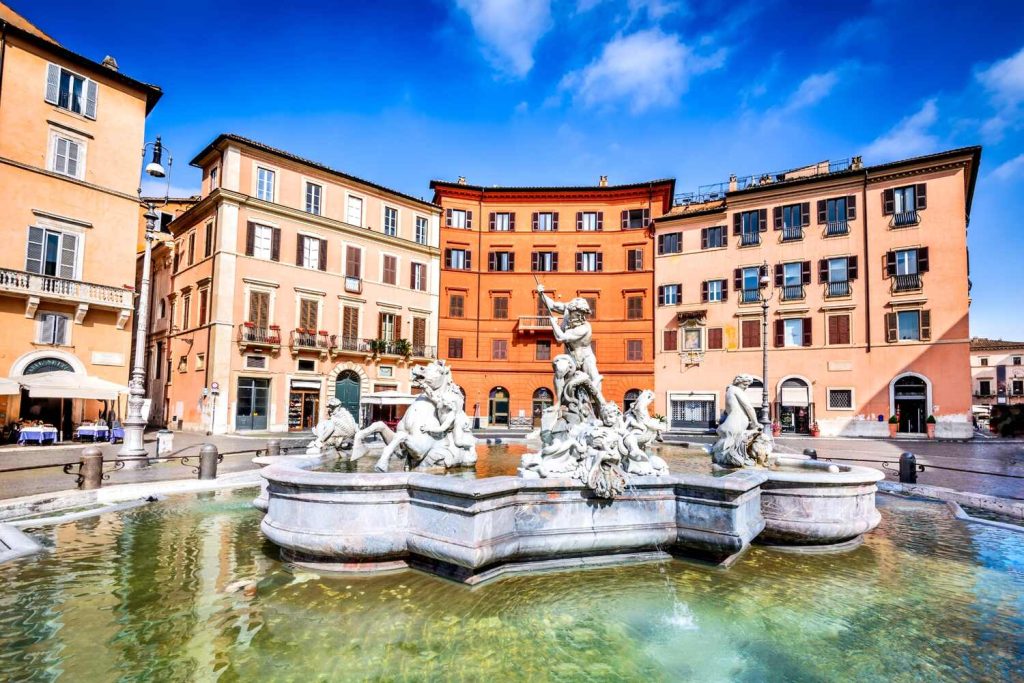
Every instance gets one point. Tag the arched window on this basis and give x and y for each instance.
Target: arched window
(629, 399)
(498, 406)
(542, 400)
(41, 365)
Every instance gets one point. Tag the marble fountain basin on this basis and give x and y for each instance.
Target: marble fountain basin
(808, 502)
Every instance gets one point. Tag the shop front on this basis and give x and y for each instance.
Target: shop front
(303, 405)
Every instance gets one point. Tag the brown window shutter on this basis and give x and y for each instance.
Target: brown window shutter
(534, 261)
(579, 220)
(412, 276)
(490, 221)
(890, 263)
(448, 218)
(398, 327)
(554, 261)
(533, 220)
(600, 220)
(512, 220)
(779, 333)
(926, 325)
(298, 249)
(250, 239)
(600, 261)
(703, 239)
(725, 290)
(851, 207)
(823, 271)
(469, 220)
(805, 214)
(822, 212)
(554, 220)
(469, 260)
(704, 291)
(715, 338)
(491, 259)
(777, 216)
(625, 219)
(890, 327)
(579, 261)
(922, 260)
(851, 267)
(844, 329)
(512, 261)
(419, 331)
(737, 223)
(737, 279)
(921, 196)
(647, 217)
(762, 220)
(888, 202)
(323, 254)
(275, 245)
(807, 332)
(778, 275)
(671, 340)
(380, 325)
(805, 272)
(833, 329)
(447, 258)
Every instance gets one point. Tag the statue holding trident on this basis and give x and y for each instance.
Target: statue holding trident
(575, 333)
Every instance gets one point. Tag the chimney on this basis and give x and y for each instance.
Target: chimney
(110, 63)
(462, 180)
(603, 182)
(733, 185)
(857, 163)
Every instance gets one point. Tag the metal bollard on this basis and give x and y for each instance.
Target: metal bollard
(208, 461)
(811, 453)
(274, 447)
(908, 468)
(91, 468)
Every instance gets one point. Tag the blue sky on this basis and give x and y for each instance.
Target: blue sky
(560, 92)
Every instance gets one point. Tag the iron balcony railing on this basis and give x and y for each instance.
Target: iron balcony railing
(792, 292)
(250, 334)
(354, 344)
(790, 233)
(310, 339)
(837, 228)
(838, 288)
(750, 296)
(904, 218)
(749, 239)
(424, 351)
(906, 283)
(31, 284)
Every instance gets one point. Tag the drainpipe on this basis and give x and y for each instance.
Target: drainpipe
(479, 262)
(3, 54)
(867, 266)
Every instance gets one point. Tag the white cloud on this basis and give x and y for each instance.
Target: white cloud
(644, 69)
(1004, 82)
(656, 10)
(910, 137)
(508, 30)
(812, 90)
(1009, 169)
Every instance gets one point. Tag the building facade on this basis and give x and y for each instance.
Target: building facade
(71, 130)
(290, 283)
(497, 243)
(997, 373)
(867, 286)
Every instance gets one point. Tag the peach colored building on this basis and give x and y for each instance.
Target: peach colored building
(997, 373)
(590, 242)
(867, 287)
(292, 282)
(71, 131)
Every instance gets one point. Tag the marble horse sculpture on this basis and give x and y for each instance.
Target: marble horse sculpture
(333, 433)
(741, 441)
(584, 436)
(435, 430)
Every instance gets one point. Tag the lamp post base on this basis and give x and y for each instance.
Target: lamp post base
(134, 446)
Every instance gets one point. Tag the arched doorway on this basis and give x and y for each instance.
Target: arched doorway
(542, 399)
(794, 412)
(50, 411)
(629, 399)
(498, 406)
(910, 403)
(346, 389)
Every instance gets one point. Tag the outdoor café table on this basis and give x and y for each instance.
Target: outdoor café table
(37, 435)
(117, 434)
(97, 432)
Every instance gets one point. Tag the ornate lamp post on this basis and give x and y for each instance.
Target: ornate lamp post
(766, 425)
(134, 422)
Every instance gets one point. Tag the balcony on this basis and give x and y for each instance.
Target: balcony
(792, 292)
(833, 228)
(904, 219)
(309, 340)
(750, 296)
(340, 345)
(38, 288)
(534, 323)
(906, 283)
(792, 233)
(252, 337)
(750, 239)
(838, 289)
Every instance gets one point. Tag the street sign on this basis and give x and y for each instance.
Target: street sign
(215, 388)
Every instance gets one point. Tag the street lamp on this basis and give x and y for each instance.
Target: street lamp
(134, 422)
(762, 282)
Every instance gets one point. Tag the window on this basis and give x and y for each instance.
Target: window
(906, 262)
(903, 203)
(52, 329)
(984, 361)
(837, 273)
(1017, 387)
(390, 221)
(634, 259)
(542, 309)
(421, 230)
(502, 222)
(501, 261)
(389, 275)
(1016, 360)
(793, 332)
(204, 304)
(715, 338)
(455, 348)
(259, 310)
(389, 326)
(165, 221)
(418, 276)
(354, 211)
(544, 261)
(592, 303)
(52, 253)
(835, 214)
(748, 281)
(353, 269)
(589, 221)
(500, 306)
(634, 308)
(251, 363)
(71, 91)
(419, 336)
(314, 194)
(840, 399)
(670, 295)
(265, 184)
(68, 156)
(838, 329)
(158, 364)
(200, 361)
(791, 274)
(713, 291)
(905, 268)
(670, 243)
(349, 328)
(214, 172)
(306, 365)
(459, 218)
(312, 252)
(186, 311)
(543, 350)
(162, 308)
(191, 247)
(499, 349)
(984, 387)
(456, 305)
(791, 277)
(545, 221)
(791, 219)
(636, 218)
(670, 340)
(457, 259)
(748, 225)
(208, 240)
(634, 349)
(910, 325)
(903, 198)
(750, 334)
(589, 261)
(308, 314)
(712, 238)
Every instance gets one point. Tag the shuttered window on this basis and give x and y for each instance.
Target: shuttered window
(70, 91)
(204, 305)
(634, 308)
(500, 307)
(68, 157)
(350, 323)
(543, 350)
(456, 305)
(589, 261)
(634, 349)
(670, 243)
(670, 340)
(259, 309)
(52, 329)
(263, 242)
(458, 259)
(419, 335)
(308, 314)
(354, 211)
(353, 262)
(418, 276)
(715, 338)
(208, 246)
(634, 259)
(390, 275)
(499, 349)
(839, 329)
(544, 261)
(52, 253)
(750, 334)
(455, 347)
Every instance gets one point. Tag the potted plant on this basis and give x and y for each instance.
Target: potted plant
(776, 428)
(894, 425)
(930, 426)
(250, 324)
(403, 348)
(815, 429)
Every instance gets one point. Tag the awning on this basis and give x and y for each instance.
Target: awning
(387, 398)
(8, 387)
(63, 384)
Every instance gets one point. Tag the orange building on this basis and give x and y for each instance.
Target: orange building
(867, 290)
(498, 242)
(71, 131)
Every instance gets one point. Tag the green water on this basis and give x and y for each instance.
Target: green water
(158, 593)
